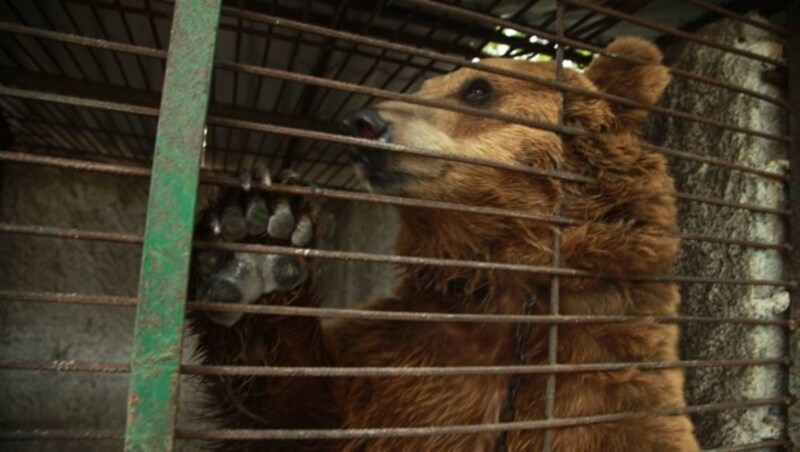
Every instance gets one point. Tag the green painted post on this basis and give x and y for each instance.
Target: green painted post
(155, 361)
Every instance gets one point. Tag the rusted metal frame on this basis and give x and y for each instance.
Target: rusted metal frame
(793, 226)
(333, 194)
(555, 260)
(163, 283)
(449, 9)
(237, 33)
(779, 31)
(158, 54)
(459, 61)
(610, 23)
(400, 316)
(298, 434)
(675, 32)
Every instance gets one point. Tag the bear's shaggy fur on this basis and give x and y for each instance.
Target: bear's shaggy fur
(627, 229)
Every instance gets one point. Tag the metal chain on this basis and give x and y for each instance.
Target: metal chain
(507, 412)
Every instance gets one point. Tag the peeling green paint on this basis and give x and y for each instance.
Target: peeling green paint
(155, 361)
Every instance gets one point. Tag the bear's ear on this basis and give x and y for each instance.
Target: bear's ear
(641, 82)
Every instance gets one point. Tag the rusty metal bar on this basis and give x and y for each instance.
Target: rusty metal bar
(104, 300)
(163, 281)
(555, 261)
(393, 372)
(793, 229)
(298, 434)
(362, 314)
(74, 234)
(70, 38)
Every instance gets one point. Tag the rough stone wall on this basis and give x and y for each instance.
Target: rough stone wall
(699, 341)
(33, 195)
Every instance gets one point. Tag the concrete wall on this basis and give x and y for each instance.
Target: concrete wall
(701, 341)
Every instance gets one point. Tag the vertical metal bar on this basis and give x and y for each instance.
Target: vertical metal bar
(793, 58)
(155, 361)
(555, 294)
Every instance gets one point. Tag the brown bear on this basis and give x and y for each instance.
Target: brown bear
(626, 229)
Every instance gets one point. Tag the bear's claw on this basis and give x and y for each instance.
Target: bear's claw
(246, 277)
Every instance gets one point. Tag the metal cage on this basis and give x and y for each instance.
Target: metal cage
(189, 92)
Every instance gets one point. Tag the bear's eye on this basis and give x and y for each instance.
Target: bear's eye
(476, 91)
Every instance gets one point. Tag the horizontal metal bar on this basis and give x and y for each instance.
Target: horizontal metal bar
(300, 26)
(373, 372)
(736, 205)
(66, 298)
(78, 101)
(271, 371)
(774, 29)
(82, 40)
(365, 314)
(305, 434)
(498, 22)
(302, 434)
(76, 234)
(781, 177)
(456, 263)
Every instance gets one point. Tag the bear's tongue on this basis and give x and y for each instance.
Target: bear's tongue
(366, 131)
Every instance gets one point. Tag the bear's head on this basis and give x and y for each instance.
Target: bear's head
(456, 132)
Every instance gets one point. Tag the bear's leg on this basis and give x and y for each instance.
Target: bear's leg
(237, 339)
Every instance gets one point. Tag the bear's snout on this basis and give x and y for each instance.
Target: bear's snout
(367, 123)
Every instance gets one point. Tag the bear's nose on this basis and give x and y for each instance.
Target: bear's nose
(367, 123)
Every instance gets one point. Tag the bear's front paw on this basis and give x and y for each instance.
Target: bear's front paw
(243, 216)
